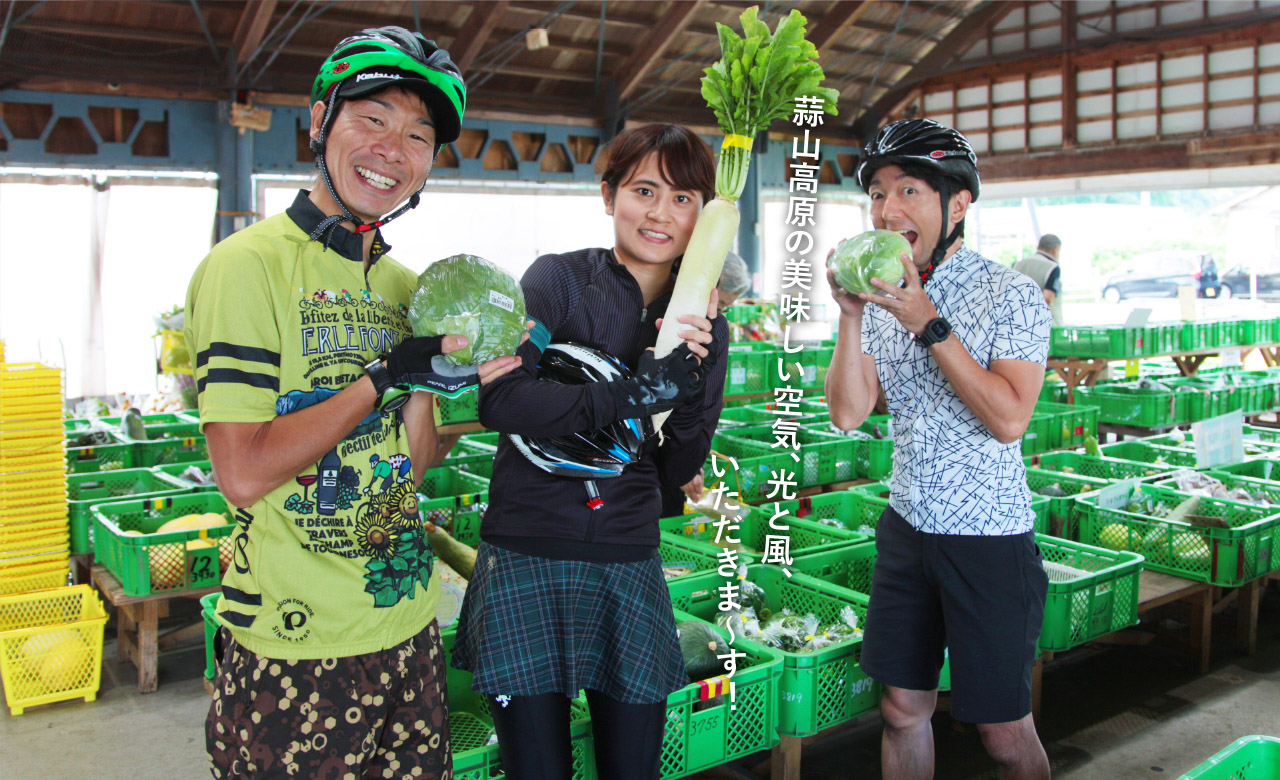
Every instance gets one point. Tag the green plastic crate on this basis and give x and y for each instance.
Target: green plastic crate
(108, 456)
(209, 603)
(1125, 405)
(824, 458)
(681, 552)
(1107, 468)
(1062, 509)
(705, 731)
(177, 567)
(1194, 336)
(1226, 557)
(754, 529)
(1254, 445)
(1070, 423)
(455, 500)
(173, 471)
(814, 362)
(490, 438)
(759, 414)
(1092, 592)
(470, 727)
(817, 690)
(873, 458)
(1260, 468)
(464, 408)
(742, 313)
(750, 370)
(85, 490)
(1137, 450)
(879, 489)
(857, 511)
(1039, 434)
(755, 464)
(1249, 758)
(173, 443)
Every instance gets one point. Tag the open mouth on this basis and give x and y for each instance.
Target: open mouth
(653, 235)
(910, 235)
(378, 181)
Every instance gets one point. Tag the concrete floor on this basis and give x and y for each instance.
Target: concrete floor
(1109, 713)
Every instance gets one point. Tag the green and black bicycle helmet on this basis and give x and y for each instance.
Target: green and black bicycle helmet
(369, 62)
(924, 142)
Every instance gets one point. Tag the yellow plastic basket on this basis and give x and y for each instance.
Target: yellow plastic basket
(51, 646)
(36, 577)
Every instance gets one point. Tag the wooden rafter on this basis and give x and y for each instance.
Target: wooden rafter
(475, 32)
(250, 30)
(977, 24)
(671, 24)
(829, 28)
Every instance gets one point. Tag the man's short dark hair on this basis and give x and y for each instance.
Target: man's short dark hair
(1049, 242)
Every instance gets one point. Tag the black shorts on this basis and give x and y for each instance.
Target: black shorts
(979, 597)
(378, 715)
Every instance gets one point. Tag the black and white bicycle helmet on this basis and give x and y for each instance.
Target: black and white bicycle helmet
(925, 142)
(591, 454)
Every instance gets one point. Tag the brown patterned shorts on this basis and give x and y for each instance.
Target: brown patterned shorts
(379, 715)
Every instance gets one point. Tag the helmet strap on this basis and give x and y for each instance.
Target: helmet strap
(945, 240)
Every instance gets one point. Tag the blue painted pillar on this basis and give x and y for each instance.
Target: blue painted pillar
(235, 173)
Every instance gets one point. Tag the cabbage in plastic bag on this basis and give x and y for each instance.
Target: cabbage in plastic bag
(469, 296)
(875, 253)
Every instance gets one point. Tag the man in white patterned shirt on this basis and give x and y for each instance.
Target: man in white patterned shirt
(959, 349)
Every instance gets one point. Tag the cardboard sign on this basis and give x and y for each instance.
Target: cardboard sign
(1229, 357)
(1187, 301)
(1219, 440)
(1117, 496)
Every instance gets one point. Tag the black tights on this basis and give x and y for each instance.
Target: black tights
(533, 737)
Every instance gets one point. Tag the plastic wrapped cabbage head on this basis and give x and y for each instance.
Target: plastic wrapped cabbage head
(876, 253)
(465, 295)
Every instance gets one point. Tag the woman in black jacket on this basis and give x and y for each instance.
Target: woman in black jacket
(567, 592)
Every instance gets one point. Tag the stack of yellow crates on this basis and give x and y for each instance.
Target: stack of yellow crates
(34, 537)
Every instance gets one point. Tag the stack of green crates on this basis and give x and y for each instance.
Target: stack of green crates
(170, 439)
(1131, 405)
(464, 408)
(753, 368)
(1071, 423)
(455, 500)
(1107, 468)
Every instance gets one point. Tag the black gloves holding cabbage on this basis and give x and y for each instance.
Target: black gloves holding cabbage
(463, 295)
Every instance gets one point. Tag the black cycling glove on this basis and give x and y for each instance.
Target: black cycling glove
(660, 384)
(418, 363)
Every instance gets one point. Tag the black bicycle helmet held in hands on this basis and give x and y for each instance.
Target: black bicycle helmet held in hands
(924, 142)
(590, 454)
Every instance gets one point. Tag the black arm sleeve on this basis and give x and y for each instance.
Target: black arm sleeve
(518, 403)
(687, 434)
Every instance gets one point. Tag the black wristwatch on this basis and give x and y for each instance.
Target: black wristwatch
(936, 332)
(390, 395)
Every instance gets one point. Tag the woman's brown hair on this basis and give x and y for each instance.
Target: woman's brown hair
(685, 160)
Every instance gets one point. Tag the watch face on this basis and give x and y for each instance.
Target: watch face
(939, 330)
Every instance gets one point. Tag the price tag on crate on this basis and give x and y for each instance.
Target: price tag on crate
(1219, 440)
(1229, 357)
(203, 563)
(1116, 496)
(1131, 369)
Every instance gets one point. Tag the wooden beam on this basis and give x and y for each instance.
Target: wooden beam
(965, 34)
(475, 32)
(829, 28)
(1165, 43)
(250, 30)
(671, 24)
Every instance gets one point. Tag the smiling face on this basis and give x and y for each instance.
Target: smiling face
(652, 219)
(910, 206)
(378, 152)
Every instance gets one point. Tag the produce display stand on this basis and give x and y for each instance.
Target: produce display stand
(1077, 370)
(137, 632)
(1156, 589)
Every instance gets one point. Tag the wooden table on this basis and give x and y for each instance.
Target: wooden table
(1156, 589)
(137, 630)
(1084, 371)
